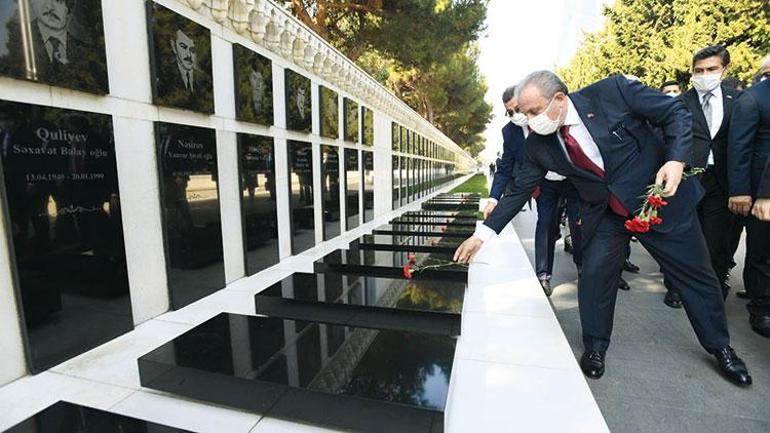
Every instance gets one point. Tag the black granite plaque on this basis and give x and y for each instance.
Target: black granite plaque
(55, 42)
(180, 54)
(450, 206)
(368, 166)
(258, 202)
(433, 221)
(350, 110)
(367, 124)
(352, 188)
(330, 113)
(391, 303)
(409, 243)
(64, 220)
(253, 86)
(390, 264)
(350, 378)
(192, 222)
(64, 417)
(395, 137)
(301, 196)
(417, 229)
(299, 106)
(404, 183)
(330, 190)
(395, 179)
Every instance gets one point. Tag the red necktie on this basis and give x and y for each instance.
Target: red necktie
(581, 160)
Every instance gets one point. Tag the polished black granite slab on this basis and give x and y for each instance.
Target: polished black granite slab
(433, 221)
(416, 229)
(359, 379)
(64, 417)
(471, 215)
(409, 243)
(391, 303)
(390, 264)
(451, 206)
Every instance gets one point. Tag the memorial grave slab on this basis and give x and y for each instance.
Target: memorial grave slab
(408, 243)
(433, 221)
(360, 379)
(391, 264)
(67, 417)
(416, 229)
(391, 303)
(450, 206)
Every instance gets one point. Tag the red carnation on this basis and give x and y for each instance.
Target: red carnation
(637, 225)
(407, 271)
(656, 202)
(655, 220)
(412, 258)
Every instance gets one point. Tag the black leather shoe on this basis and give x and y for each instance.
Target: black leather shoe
(760, 324)
(630, 267)
(546, 284)
(623, 284)
(673, 299)
(592, 363)
(732, 367)
(742, 294)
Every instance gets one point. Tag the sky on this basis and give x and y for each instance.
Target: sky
(526, 35)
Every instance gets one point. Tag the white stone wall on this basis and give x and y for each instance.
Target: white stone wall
(130, 104)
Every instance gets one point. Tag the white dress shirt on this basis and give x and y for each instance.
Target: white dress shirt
(579, 131)
(717, 114)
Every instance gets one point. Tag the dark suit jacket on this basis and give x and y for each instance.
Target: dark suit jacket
(701, 135)
(620, 115)
(748, 159)
(513, 148)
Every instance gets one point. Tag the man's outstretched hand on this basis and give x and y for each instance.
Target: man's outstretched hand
(489, 208)
(468, 249)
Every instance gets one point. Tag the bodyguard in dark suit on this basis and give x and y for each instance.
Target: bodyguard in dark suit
(711, 104)
(513, 147)
(602, 139)
(748, 162)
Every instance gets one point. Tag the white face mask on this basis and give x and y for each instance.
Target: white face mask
(544, 125)
(673, 94)
(706, 82)
(519, 119)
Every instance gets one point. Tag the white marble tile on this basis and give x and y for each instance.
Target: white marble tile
(274, 425)
(492, 397)
(185, 414)
(522, 296)
(522, 340)
(260, 281)
(231, 301)
(115, 362)
(23, 398)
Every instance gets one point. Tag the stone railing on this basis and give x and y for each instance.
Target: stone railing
(276, 29)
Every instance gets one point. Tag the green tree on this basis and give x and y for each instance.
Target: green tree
(655, 39)
(423, 50)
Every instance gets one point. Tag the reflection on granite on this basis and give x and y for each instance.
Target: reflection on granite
(64, 219)
(253, 86)
(301, 196)
(433, 221)
(258, 201)
(350, 120)
(413, 243)
(330, 190)
(368, 166)
(329, 112)
(416, 229)
(191, 215)
(390, 264)
(449, 205)
(344, 377)
(409, 305)
(464, 215)
(64, 417)
(352, 188)
(298, 101)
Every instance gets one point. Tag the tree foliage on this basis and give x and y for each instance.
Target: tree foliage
(423, 50)
(655, 39)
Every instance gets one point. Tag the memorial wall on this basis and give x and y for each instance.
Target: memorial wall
(153, 152)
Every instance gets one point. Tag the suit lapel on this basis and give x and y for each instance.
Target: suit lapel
(727, 104)
(697, 109)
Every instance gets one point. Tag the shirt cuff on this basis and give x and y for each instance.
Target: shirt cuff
(492, 200)
(484, 233)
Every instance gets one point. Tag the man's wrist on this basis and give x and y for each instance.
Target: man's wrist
(492, 200)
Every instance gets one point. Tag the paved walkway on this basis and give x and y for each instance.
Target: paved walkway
(658, 379)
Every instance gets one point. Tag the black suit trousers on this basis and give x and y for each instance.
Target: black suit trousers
(682, 255)
(756, 272)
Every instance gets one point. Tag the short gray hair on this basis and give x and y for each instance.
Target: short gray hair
(546, 81)
(508, 94)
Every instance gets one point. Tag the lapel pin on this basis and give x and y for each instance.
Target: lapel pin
(590, 115)
(729, 96)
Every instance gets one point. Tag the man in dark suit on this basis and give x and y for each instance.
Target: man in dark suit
(748, 162)
(602, 139)
(711, 104)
